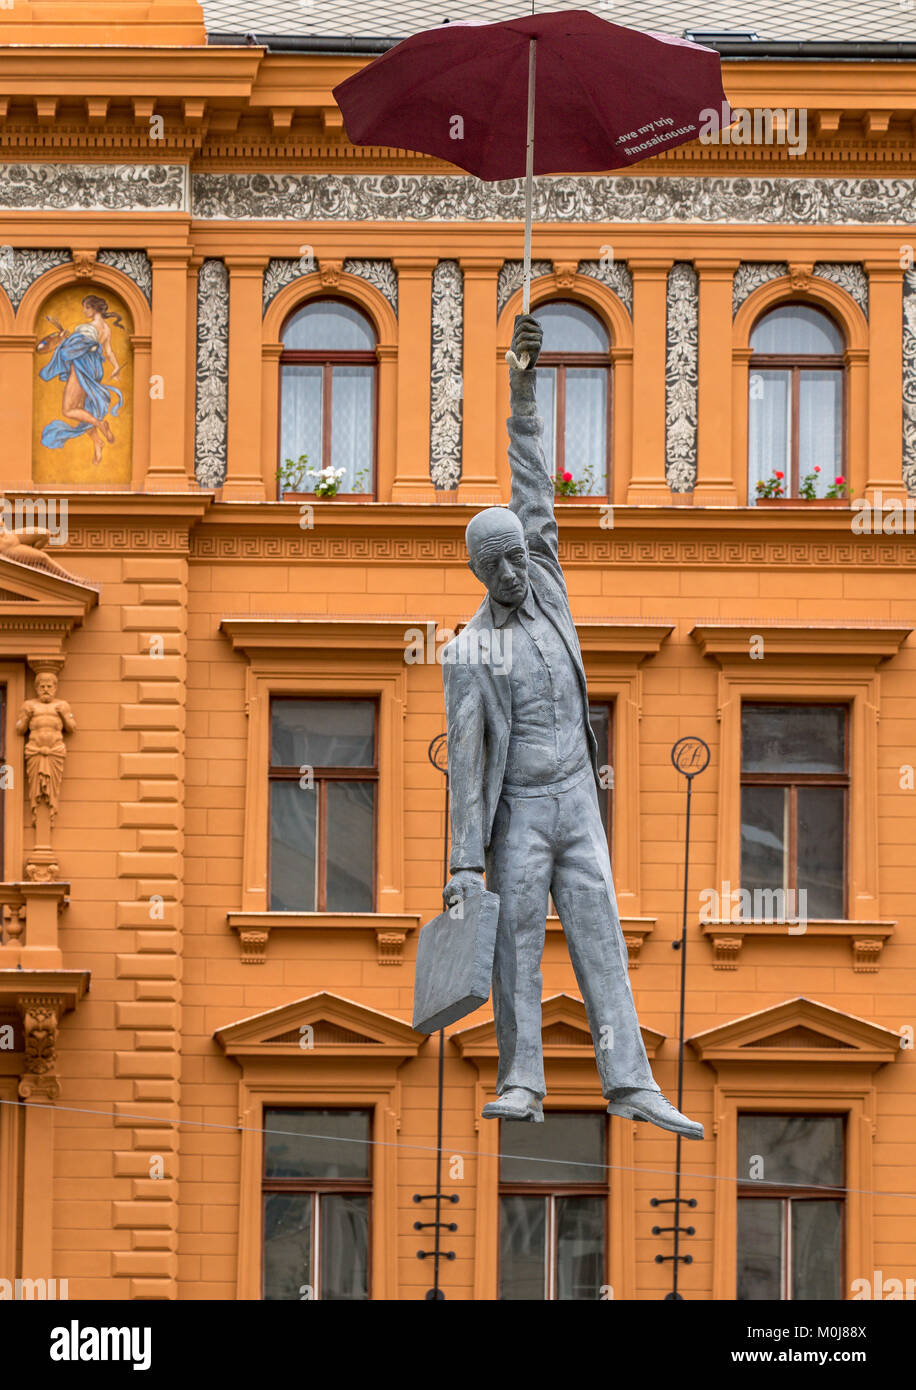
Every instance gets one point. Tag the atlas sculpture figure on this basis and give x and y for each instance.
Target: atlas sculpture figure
(523, 777)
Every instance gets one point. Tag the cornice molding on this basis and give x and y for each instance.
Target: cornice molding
(267, 636)
(734, 642)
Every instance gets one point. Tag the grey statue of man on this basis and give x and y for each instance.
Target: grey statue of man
(523, 775)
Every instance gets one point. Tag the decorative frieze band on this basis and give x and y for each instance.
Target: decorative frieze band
(94, 187)
(446, 378)
(681, 377)
(451, 197)
(211, 407)
(569, 198)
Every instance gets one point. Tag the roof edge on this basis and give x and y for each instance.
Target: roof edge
(810, 50)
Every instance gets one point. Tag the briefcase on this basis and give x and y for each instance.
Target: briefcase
(455, 962)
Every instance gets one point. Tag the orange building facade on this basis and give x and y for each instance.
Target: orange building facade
(211, 897)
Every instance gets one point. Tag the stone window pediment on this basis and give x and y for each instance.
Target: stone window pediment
(322, 1024)
(799, 1030)
(564, 1032)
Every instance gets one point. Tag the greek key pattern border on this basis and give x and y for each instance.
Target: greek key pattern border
(611, 550)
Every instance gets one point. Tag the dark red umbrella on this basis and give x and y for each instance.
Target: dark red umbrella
(601, 97)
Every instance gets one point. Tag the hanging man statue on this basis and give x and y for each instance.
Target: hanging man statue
(523, 774)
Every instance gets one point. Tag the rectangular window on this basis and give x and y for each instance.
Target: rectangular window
(323, 786)
(316, 1193)
(553, 1208)
(790, 1230)
(601, 718)
(794, 792)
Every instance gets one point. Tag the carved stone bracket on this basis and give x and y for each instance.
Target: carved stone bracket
(40, 998)
(84, 264)
(41, 1016)
(800, 274)
(390, 947)
(253, 944)
(726, 950)
(865, 954)
(330, 273)
(635, 930)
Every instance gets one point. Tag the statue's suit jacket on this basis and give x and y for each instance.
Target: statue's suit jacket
(478, 703)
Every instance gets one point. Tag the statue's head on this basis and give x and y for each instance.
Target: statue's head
(498, 554)
(46, 685)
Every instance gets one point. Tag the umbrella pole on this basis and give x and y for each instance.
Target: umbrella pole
(529, 176)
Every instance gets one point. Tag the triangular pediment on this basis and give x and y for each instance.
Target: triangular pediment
(32, 583)
(564, 1032)
(39, 610)
(798, 1030)
(325, 1025)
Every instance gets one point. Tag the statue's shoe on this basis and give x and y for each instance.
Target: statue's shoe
(644, 1104)
(515, 1104)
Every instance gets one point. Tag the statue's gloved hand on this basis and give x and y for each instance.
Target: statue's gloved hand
(527, 336)
(462, 885)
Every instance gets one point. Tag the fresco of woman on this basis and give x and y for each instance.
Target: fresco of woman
(78, 360)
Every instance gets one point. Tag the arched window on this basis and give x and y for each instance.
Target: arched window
(574, 394)
(796, 400)
(328, 396)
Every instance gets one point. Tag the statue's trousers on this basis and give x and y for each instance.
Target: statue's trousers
(552, 840)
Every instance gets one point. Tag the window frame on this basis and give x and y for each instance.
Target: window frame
(550, 1191)
(796, 364)
(746, 1188)
(560, 362)
(791, 781)
(316, 1187)
(328, 359)
(322, 776)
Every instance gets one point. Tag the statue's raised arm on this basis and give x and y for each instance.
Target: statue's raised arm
(532, 485)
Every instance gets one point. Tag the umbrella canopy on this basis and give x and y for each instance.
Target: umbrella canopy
(606, 96)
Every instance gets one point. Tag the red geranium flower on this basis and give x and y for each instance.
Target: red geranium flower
(840, 478)
(567, 478)
(816, 468)
(779, 475)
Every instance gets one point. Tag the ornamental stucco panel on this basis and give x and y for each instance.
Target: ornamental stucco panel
(909, 381)
(211, 414)
(446, 375)
(681, 377)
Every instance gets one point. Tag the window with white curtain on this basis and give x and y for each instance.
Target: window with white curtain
(796, 400)
(574, 394)
(328, 393)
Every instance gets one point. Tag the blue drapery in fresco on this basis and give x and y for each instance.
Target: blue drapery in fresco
(83, 352)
